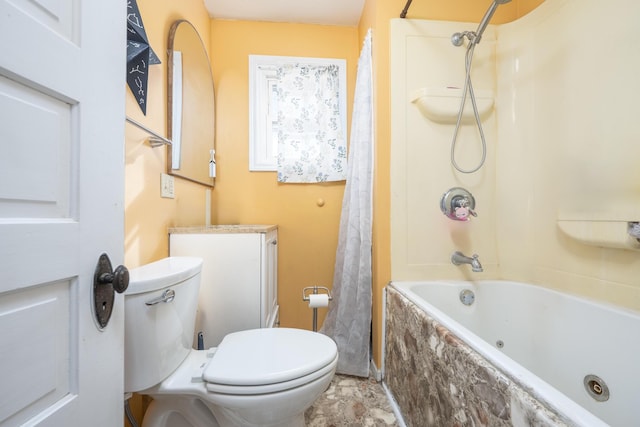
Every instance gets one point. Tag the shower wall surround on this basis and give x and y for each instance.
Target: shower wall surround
(423, 62)
(562, 150)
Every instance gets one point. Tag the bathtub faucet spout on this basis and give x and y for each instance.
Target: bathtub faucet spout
(458, 258)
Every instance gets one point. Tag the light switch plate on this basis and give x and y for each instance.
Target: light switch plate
(166, 186)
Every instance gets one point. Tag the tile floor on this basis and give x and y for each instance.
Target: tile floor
(354, 402)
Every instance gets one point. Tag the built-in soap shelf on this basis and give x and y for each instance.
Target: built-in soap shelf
(442, 104)
(606, 234)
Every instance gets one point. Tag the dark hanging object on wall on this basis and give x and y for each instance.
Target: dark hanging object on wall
(139, 55)
(403, 14)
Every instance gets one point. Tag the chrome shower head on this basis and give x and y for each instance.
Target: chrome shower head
(474, 36)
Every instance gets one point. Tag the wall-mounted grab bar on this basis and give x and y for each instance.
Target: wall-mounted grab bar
(155, 140)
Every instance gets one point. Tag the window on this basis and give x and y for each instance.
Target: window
(268, 76)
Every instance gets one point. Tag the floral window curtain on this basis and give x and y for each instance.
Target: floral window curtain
(311, 140)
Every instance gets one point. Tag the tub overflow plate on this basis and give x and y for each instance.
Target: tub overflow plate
(467, 297)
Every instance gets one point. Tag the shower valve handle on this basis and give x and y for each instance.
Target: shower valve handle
(463, 210)
(458, 204)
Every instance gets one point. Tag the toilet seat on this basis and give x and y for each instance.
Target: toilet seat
(271, 388)
(269, 360)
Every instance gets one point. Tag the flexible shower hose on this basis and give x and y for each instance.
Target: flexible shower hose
(468, 87)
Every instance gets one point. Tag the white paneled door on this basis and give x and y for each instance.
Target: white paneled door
(62, 86)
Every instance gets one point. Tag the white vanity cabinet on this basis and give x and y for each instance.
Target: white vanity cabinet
(239, 286)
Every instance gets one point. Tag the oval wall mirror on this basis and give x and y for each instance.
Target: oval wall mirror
(191, 106)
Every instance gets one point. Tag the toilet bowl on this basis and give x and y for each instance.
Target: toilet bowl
(259, 377)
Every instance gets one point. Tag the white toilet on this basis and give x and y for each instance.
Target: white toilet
(259, 377)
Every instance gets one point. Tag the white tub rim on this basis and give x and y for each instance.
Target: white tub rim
(530, 382)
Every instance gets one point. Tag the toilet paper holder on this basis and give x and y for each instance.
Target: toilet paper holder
(306, 296)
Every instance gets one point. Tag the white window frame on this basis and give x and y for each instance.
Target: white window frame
(262, 77)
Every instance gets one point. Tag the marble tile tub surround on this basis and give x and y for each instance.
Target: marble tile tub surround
(437, 380)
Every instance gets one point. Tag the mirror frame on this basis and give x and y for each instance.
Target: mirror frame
(174, 104)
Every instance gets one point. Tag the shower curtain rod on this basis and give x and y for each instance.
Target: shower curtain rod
(403, 14)
(155, 139)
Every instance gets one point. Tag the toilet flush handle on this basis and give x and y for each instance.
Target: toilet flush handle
(167, 296)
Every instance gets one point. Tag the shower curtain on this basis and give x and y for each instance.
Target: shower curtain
(348, 319)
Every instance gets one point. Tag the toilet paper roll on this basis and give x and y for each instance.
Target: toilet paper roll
(318, 300)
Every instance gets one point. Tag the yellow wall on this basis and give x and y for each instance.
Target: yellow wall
(147, 215)
(456, 10)
(307, 233)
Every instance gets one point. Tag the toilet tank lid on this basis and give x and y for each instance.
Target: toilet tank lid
(162, 273)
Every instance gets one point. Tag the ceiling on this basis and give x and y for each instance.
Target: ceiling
(325, 12)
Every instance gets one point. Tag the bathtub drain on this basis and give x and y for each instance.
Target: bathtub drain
(596, 388)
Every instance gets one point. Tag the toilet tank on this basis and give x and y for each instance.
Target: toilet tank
(158, 328)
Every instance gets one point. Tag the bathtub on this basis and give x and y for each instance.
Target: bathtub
(559, 359)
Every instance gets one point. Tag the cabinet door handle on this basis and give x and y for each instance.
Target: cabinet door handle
(274, 242)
